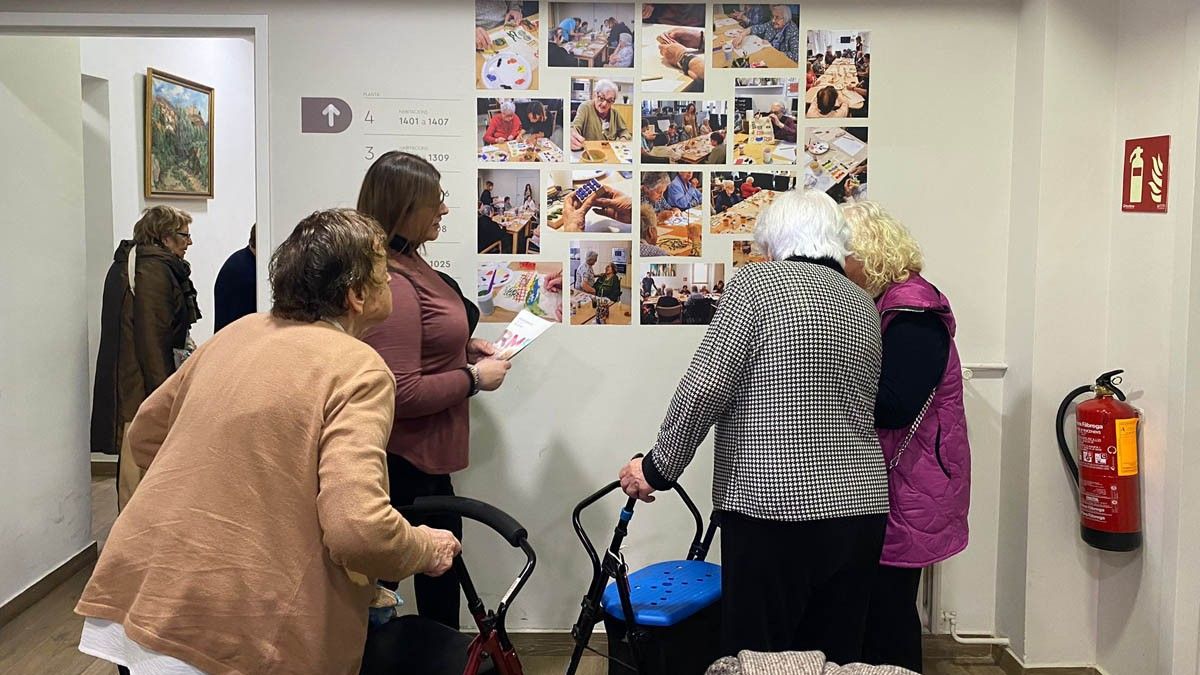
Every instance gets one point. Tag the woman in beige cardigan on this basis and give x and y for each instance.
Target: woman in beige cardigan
(253, 541)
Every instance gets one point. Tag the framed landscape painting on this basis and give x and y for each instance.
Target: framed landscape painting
(179, 137)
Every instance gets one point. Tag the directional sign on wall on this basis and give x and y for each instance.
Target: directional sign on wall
(324, 115)
(1147, 175)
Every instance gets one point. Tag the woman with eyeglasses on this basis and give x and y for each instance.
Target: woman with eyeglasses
(595, 120)
(149, 304)
(427, 344)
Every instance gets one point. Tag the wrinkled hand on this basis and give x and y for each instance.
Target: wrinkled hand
(554, 282)
(633, 481)
(614, 204)
(482, 40)
(692, 38)
(577, 140)
(739, 38)
(671, 52)
(514, 17)
(478, 350)
(575, 211)
(445, 549)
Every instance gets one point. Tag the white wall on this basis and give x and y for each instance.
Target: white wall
(221, 225)
(1151, 257)
(45, 515)
(1091, 288)
(97, 202)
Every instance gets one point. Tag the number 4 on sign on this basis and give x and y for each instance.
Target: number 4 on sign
(369, 119)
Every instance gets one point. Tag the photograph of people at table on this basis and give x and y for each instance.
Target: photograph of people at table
(676, 200)
(747, 252)
(507, 211)
(519, 130)
(608, 192)
(507, 287)
(835, 161)
(600, 284)
(591, 35)
(683, 132)
(673, 45)
(756, 36)
(680, 293)
(738, 197)
(602, 127)
(838, 73)
(765, 112)
(506, 44)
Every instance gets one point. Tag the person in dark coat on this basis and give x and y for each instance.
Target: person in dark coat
(143, 330)
(235, 289)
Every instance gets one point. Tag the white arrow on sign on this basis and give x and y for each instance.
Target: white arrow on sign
(331, 112)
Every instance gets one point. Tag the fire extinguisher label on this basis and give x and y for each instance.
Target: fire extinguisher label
(1127, 450)
(1098, 503)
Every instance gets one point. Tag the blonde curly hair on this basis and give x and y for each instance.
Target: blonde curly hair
(886, 249)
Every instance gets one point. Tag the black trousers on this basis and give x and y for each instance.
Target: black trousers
(893, 635)
(438, 598)
(797, 585)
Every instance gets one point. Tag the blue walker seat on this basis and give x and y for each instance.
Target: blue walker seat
(666, 593)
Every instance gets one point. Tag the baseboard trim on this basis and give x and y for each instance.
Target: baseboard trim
(103, 469)
(27, 598)
(1011, 665)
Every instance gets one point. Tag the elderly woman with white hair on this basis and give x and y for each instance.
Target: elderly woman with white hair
(780, 31)
(595, 120)
(788, 373)
(783, 123)
(622, 56)
(504, 126)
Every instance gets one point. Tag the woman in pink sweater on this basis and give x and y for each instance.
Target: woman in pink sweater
(427, 344)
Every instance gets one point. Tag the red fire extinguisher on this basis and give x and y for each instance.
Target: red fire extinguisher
(1106, 476)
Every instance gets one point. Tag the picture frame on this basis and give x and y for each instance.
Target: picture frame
(179, 125)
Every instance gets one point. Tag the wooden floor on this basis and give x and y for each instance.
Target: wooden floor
(43, 640)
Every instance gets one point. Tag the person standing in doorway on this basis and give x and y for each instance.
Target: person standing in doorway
(149, 304)
(234, 291)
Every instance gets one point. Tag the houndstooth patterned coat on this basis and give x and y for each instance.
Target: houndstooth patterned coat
(788, 373)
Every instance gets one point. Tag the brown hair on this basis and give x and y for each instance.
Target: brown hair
(158, 223)
(328, 254)
(827, 98)
(396, 185)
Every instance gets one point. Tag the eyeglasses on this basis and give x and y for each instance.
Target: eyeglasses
(608, 99)
(445, 196)
(185, 235)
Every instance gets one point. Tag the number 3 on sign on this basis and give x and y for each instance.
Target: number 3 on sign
(370, 154)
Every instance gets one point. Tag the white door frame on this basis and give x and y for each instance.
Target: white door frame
(182, 25)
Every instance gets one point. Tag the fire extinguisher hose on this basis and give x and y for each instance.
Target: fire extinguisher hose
(1067, 455)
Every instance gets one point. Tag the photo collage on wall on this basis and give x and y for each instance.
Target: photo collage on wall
(625, 149)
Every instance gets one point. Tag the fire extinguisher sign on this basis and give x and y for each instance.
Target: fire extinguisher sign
(1147, 175)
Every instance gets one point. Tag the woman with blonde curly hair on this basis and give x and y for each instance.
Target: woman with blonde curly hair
(922, 427)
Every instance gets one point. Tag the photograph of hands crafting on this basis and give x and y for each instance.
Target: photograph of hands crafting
(332, 349)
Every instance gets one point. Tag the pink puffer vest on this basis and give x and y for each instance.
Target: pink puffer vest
(930, 487)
